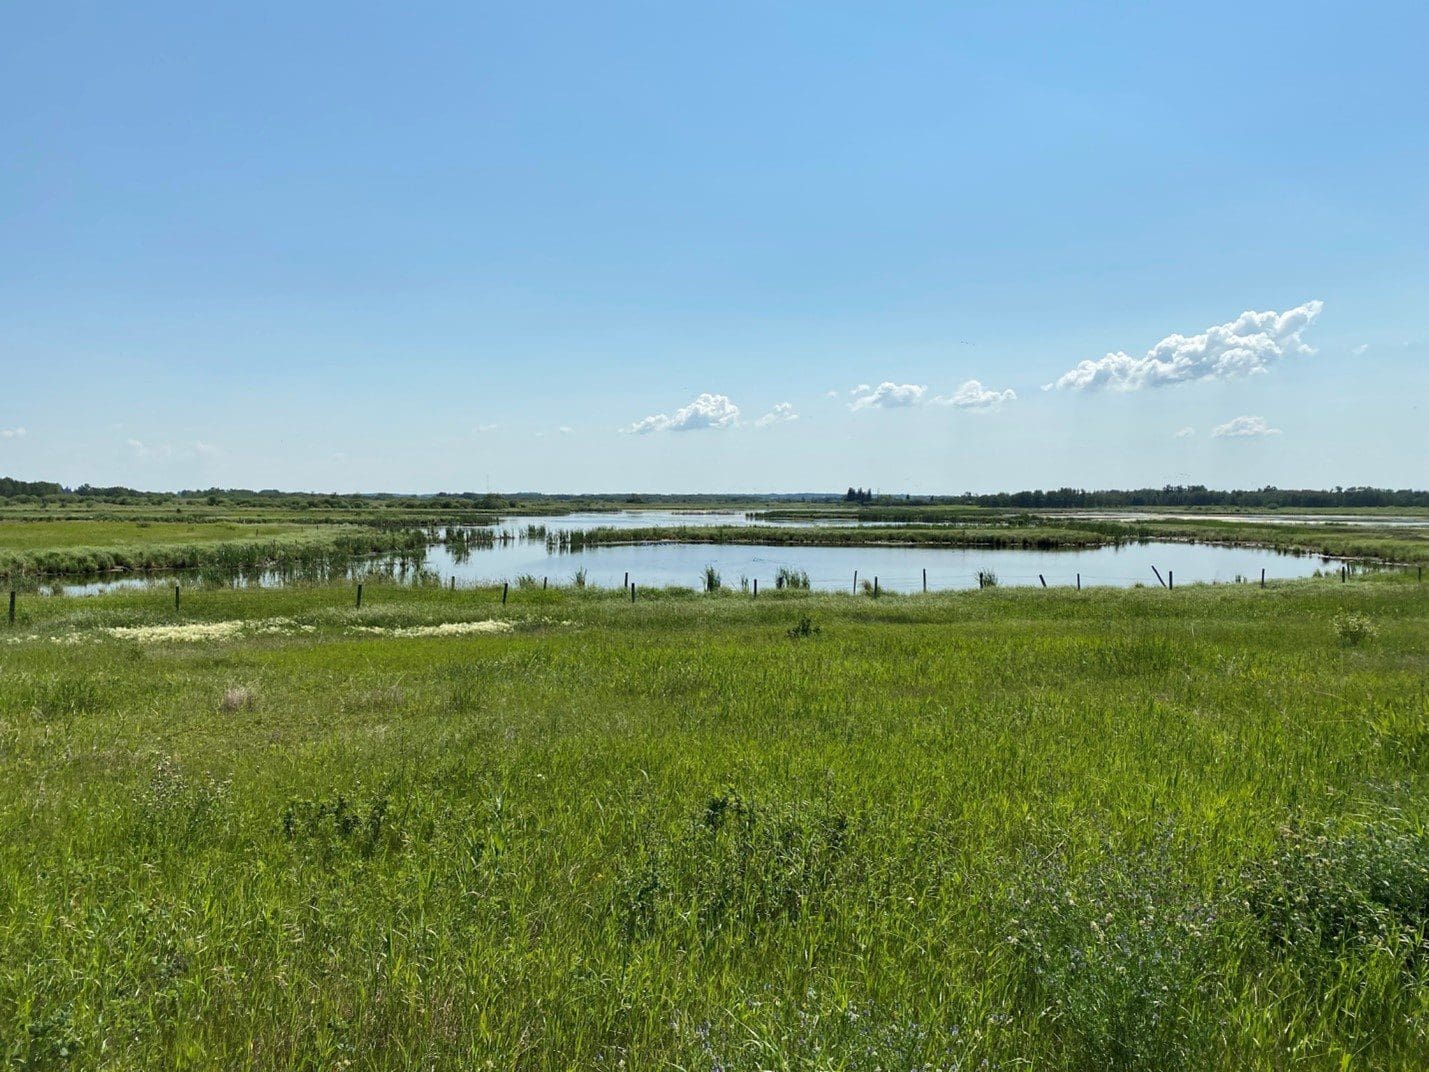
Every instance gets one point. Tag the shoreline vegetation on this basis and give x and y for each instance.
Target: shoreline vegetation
(85, 548)
(1387, 545)
(1121, 828)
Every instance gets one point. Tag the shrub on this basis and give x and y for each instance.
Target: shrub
(1119, 956)
(739, 864)
(1354, 629)
(1322, 889)
(805, 627)
(711, 579)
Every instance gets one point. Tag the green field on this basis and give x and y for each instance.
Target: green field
(1041, 829)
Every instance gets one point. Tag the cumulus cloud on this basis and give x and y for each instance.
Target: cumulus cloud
(973, 395)
(12, 433)
(887, 395)
(1186, 433)
(707, 411)
(1244, 426)
(1247, 345)
(780, 414)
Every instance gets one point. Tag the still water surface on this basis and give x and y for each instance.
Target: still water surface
(898, 569)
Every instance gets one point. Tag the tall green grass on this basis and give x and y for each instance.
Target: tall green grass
(1117, 829)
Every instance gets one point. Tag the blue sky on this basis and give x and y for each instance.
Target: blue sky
(660, 247)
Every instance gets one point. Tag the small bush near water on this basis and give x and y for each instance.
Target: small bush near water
(1354, 629)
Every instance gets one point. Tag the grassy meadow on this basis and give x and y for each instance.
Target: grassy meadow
(999, 829)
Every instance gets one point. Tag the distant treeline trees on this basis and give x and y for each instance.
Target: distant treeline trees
(42, 491)
(1199, 495)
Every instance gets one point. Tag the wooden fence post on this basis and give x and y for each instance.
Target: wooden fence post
(632, 593)
(855, 582)
(359, 595)
(1079, 582)
(756, 588)
(1171, 580)
(176, 599)
(1262, 576)
(1042, 579)
(1158, 576)
(505, 588)
(12, 606)
(925, 580)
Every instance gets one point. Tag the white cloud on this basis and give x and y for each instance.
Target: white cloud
(1359, 350)
(831, 393)
(1247, 345)
(1186, 433)
(12, 433)
(566, 429)
(142, 450)
(780, 414)
(200, 447)
(887, 395)
(1244, 426)
(973, 395)
(707, 411)
(482, 429)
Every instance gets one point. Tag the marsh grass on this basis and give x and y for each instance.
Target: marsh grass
(664, 835)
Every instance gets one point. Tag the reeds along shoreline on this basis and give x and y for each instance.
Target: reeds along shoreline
(277, 552)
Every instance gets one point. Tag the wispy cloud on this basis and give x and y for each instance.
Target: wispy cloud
(706, 411)
(1247, 345)
(482, 429)
(1186, 433)
(1359, 351)
(780, 414)
(973, 395)
(13, 433)
(887, 395)
(1244, 426)
(143, 450)
(566, 429)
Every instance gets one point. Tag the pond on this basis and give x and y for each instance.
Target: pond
(897, 569)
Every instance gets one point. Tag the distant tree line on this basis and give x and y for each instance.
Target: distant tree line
(1200, 495)
(43, 492)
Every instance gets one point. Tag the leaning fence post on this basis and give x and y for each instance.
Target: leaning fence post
(1042, 579)
(855, 582)
(505, 587)
(1158, 576)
